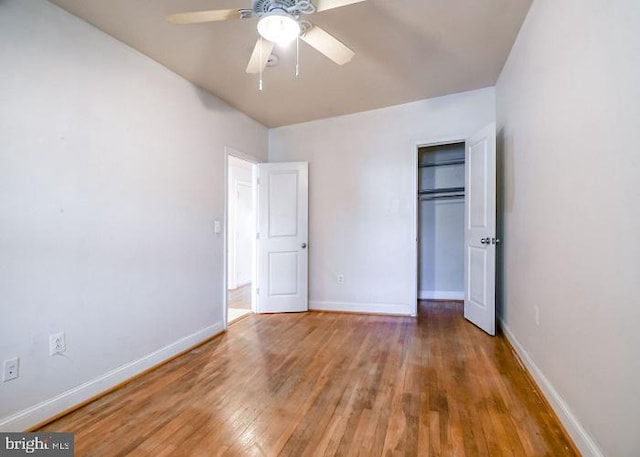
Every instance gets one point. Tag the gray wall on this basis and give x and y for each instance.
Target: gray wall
(568, 108)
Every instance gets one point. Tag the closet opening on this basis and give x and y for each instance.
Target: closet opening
(440, 227)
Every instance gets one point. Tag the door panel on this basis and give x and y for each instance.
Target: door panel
(283, 203)
(480, 229)
(283, 273)
(477, 281)
(477, 185)
(282, 238)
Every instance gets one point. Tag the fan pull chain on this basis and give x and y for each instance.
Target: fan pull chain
(260, 83)
(298, 55)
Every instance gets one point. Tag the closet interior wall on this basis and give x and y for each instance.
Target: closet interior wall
(441, 222)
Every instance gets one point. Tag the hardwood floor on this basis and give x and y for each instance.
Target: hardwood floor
(322, 384)
(240, 298)
(239, 303)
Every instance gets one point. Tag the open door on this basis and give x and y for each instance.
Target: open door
(282, 237)
(480, 229)
(240, 232)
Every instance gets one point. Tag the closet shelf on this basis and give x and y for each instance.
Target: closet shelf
(441, 163)
(442, 190)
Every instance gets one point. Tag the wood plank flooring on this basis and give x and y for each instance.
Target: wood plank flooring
(240, 298)
(239, 303)
(322, 384)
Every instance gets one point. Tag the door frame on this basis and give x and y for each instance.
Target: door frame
(413, 258)
(230, 152)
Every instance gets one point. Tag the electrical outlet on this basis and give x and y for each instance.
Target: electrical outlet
(57, 344)
(11, 369)
(537, 312)
(340, 279)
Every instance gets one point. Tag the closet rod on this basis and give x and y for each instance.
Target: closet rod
(442, 190)
(441, 163)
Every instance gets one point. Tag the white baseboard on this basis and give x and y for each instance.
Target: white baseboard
(441, 295)
(365, 308)
(39, 413)
(583, 441)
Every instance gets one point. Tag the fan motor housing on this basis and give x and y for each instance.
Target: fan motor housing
(264, 6)
(296, 7)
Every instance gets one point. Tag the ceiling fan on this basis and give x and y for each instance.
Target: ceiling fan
(279, 21)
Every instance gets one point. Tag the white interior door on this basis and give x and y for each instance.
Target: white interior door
(282, 237)
(480, 229)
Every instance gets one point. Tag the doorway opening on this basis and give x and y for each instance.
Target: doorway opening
(241, 236)
(441, 223)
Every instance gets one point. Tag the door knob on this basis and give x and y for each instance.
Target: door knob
(495, 240)
(304, 245)
(483, 241)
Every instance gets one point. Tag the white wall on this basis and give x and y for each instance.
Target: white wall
(111, 175)
(361, 194)
(568, 111)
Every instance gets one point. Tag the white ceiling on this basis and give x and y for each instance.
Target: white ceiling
(406, 50)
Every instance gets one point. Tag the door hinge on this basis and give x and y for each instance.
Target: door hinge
(257, 236)
(257, 291)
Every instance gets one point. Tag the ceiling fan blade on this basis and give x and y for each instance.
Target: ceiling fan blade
(328, 45)
(322, 5)
(260, 55)
(203, 16)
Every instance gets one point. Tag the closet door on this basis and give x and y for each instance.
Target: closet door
(480, 229)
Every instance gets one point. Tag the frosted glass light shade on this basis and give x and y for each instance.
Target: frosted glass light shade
(278, 27)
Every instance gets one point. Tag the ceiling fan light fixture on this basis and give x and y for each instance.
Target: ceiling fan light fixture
(278, 27)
